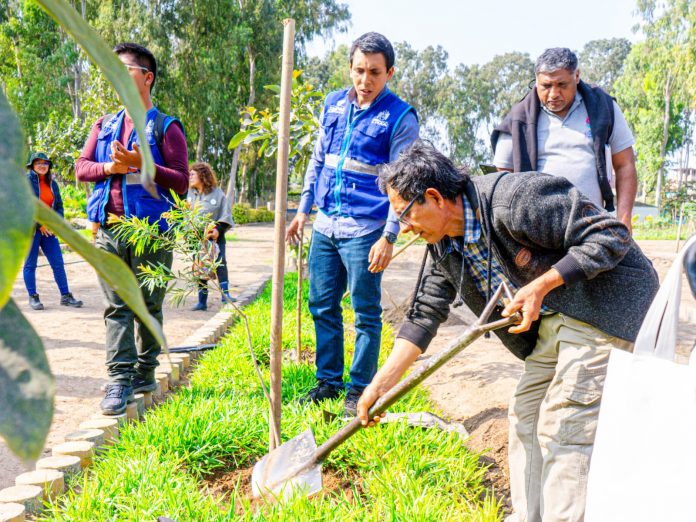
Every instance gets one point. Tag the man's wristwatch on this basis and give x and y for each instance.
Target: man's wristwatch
(390, 237)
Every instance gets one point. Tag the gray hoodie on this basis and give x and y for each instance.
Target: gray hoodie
(532, 222)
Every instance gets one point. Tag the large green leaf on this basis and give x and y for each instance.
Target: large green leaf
(109, 267)
(16, 206)
(104, 58)
(26, 385)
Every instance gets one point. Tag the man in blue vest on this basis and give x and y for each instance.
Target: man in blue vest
(362, 127)
(568, 128)
(111, 159)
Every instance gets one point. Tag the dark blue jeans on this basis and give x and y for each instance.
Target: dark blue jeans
(51, 249)
(333, 263)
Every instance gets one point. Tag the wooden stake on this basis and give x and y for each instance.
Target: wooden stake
(281, 204)
(300, 245)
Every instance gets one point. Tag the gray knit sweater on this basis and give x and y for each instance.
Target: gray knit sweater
(533, 222)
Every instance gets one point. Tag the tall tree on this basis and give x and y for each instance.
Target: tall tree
(657, 86)
(420, 79)
(602, 61)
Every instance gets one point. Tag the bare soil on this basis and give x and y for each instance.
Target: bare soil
(234, 488)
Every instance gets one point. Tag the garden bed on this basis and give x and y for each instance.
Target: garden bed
(191, 457)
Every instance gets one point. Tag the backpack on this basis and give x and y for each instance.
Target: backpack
(157, 129)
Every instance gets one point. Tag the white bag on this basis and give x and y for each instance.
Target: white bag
(643, 465)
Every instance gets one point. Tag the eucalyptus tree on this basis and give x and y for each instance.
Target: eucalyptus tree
(601, 61)
(658, 87)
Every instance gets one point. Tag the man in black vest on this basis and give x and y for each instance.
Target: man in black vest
(566, 127)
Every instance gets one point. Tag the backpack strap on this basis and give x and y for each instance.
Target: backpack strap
(158, 129)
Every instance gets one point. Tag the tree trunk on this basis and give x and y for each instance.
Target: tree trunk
(201, 139)
(661, 174)
(252, 96)
(244, 192)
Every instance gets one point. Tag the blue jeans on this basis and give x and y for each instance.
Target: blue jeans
(333, 263)
(51, 249)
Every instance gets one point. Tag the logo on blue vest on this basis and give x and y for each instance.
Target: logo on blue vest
(339, 108)
(381, 119)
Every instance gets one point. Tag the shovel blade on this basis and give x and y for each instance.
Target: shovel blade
(287, 469)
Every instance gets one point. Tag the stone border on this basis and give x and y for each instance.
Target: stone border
(77, 453)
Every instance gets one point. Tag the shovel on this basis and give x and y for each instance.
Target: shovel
(296, 464)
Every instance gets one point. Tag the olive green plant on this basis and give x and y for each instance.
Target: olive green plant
(262, 126)
(26, 383)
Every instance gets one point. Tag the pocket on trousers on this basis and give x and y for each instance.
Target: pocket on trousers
(582, 392)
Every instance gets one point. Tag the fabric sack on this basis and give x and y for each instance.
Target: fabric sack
(643, 465)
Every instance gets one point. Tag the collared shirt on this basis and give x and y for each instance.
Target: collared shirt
(345, 227)
(565, 147)
(474, 251)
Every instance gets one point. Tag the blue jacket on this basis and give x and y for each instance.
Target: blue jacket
(355, 146)
(33, 179)
(136, 200)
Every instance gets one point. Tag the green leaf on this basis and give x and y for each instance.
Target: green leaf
(273, 88)
(114, 71)
(238, 138)
(16, 207)
(110, 268)
(26, 385)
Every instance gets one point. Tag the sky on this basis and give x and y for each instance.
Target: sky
(474, 32)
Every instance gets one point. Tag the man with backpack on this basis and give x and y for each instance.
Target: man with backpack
(111, 159)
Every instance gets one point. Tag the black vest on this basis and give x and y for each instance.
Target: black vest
(521, 124)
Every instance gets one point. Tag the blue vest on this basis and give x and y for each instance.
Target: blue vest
(354, 147)
(136, 200)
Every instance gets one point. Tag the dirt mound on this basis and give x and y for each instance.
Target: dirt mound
(234, 488)
(489, 433)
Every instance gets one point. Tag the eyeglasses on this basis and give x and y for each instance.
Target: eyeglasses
(128, 66)
(402, 217)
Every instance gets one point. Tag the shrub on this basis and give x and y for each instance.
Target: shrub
(243, 214)
(74, 202)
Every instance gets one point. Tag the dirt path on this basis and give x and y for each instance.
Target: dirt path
(475, 387)
(74, 338)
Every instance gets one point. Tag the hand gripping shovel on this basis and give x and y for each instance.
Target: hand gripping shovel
(297, 463)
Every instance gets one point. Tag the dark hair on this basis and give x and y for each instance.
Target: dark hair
(206, 175)
(374, 43)
(143, 57)
(420, 167)
(555, 59)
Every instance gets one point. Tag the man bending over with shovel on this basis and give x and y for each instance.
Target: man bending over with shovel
(572, 266)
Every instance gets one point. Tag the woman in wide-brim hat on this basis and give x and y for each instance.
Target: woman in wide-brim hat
(47, 190)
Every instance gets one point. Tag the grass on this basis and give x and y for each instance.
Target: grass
(220, 423)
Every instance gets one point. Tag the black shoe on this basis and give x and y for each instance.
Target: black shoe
(69, 300)
(321, 392)
(350, 408)
(35, 303)
(117, 396)
(143, 383)
(200, 307)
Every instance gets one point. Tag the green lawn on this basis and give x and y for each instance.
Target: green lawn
(219, 424)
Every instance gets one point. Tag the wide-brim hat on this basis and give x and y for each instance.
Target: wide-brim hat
(38, 155)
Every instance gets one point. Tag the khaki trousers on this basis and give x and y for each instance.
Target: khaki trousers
(553, 418)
